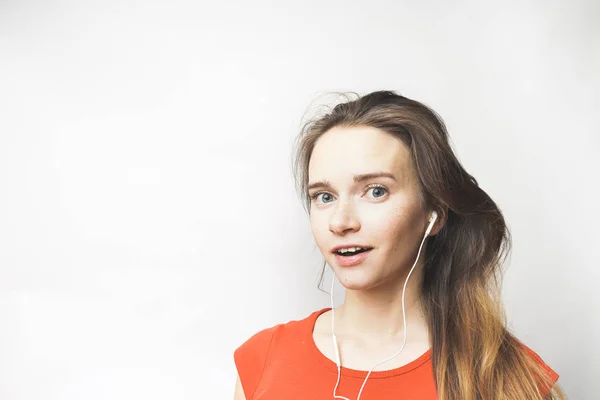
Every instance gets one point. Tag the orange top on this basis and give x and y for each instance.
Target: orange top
(283, 362)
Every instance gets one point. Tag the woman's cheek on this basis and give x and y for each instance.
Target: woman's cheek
(319, 230)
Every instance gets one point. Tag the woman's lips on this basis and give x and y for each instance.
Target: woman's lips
(350, 261)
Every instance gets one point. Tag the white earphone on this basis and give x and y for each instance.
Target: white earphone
(432, 219)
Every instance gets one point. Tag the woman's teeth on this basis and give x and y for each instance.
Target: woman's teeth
(351, 250)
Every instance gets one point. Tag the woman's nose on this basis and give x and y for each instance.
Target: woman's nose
(344, 219)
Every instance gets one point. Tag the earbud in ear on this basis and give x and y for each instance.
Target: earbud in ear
(432, 219)
(433, 216)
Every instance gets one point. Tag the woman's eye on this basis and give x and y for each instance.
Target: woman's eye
(322, 197)
(378, 191)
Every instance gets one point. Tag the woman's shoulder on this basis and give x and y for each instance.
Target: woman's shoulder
(545, 376)
(252, 355)
(552, 375)
(260, 342)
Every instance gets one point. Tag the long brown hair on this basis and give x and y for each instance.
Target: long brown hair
(474, 355)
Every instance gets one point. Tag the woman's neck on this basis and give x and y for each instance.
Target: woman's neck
(377, 313)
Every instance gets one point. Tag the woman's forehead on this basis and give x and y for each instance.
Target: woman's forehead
(348, 151)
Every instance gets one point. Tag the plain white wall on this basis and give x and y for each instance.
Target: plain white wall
(148, 221)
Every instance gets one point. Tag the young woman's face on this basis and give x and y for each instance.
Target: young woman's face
(351, 205)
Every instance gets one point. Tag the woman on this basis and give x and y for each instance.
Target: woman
(418, 245)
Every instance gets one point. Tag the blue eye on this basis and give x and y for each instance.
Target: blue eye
(378, 191)
(325, 197)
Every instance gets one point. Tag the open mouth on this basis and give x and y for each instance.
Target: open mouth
(351, 252)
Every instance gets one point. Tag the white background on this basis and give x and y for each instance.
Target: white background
(148, 221)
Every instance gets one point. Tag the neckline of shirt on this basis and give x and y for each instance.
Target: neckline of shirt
(331, 365)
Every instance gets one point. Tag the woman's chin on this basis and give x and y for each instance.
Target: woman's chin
(355, 279)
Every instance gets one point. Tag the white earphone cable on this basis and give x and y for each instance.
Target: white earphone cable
(335, 344)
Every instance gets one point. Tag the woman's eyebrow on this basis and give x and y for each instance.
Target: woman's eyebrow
(372, 175)
(357, 178)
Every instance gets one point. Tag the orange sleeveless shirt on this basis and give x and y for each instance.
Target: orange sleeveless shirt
(283, 362)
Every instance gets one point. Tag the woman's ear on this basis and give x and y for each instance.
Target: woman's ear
(442, 216)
